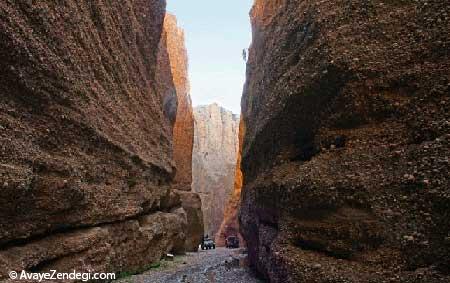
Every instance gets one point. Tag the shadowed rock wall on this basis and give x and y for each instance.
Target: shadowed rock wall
(345, 155)
(86, 161)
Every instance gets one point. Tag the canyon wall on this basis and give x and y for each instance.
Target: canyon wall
(183, 130)
(230, 222)
(347, 143)
(85, 138)
(172, 53)
(214, 161)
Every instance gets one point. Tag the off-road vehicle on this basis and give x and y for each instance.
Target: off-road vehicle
(208, 244)
(232, 242)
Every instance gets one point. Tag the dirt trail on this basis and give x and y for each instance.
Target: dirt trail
(215, 266)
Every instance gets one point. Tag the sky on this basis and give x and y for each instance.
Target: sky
(216, 32)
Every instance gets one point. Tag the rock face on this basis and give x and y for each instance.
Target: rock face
(214, 160)
(172, 53)
(183, 130)
(230, 222)
(86, 161)
(192, 205)
(346, 150)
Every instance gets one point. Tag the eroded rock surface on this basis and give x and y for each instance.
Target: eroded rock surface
(86, 164)
(126, 246)
(192, 205)
(214, 161)
(173, 56)
(230, 222)
(183, 130)
(346, 150)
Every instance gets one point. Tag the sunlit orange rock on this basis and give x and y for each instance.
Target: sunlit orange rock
(183, 130)
(173, 55)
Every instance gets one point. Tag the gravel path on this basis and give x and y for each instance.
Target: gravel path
(213, 266)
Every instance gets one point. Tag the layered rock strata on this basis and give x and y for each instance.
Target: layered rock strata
(175, 90)
(346, 150)
(85, 138)
(214, 160)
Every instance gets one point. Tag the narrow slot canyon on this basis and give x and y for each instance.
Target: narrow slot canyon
(116, 161)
